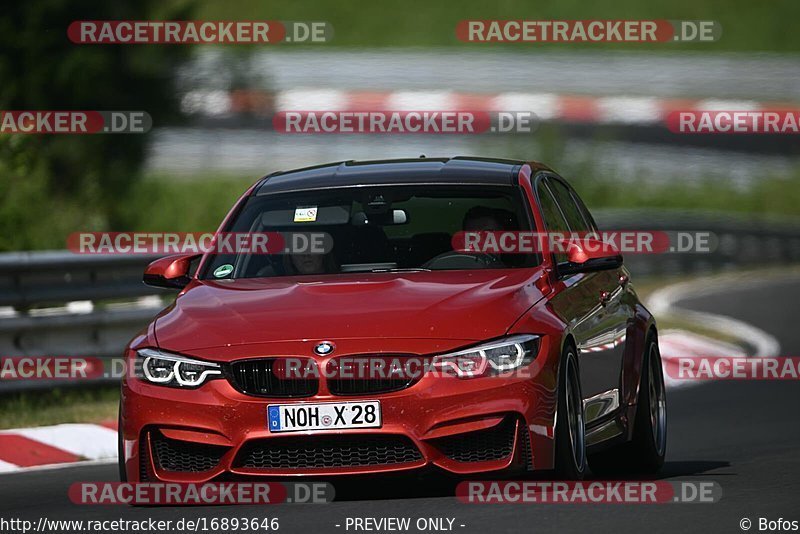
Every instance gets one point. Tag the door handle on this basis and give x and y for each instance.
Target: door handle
(605, 296)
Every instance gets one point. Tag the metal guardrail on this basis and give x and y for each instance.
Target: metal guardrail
(60, 304)
(35, 278)
(57, 303)
(738, 241)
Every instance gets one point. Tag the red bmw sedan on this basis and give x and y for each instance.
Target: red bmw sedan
(390, 346)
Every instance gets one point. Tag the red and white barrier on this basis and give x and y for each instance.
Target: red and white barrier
(29, 448)
(624, 109)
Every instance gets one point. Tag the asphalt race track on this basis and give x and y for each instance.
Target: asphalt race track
(743, 435)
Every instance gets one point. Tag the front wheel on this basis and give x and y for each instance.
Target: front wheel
(570, 459)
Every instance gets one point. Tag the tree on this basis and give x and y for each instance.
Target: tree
(51, 185)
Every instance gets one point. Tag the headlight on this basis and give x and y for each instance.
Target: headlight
(490, 358)
(167, 369)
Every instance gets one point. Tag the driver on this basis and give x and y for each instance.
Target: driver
(485, 219)
(309, 264)
(292, 264)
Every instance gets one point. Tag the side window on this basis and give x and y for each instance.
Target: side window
(553, 218)
(585, 212)
(576, 220)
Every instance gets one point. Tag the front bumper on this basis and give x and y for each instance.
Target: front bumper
(461, 426)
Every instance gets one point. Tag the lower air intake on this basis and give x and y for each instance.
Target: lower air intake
(184, 456)
(493, 443)
(320, 452)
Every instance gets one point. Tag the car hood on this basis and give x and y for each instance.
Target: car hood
(464, 305)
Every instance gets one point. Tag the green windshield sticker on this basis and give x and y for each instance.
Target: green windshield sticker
(223, 270)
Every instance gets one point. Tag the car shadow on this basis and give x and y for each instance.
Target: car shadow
(438, 484)
(690, 468)
(395, 486)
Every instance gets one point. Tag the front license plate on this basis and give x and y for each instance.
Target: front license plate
(323, 416)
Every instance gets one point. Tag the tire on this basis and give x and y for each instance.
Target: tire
(570, 452)
(123, 475)
(646, 451)
(649, 445)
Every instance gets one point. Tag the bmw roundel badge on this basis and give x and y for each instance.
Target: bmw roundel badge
(324, 348)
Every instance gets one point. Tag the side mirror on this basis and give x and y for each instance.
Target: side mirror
(594, 255)
(171, 272)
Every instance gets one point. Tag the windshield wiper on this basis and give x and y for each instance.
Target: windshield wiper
(400, 270)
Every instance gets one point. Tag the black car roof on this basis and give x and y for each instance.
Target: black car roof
(457, 170)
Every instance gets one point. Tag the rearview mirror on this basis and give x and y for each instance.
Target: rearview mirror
(171, 272)
(391, 217)
(594, 255)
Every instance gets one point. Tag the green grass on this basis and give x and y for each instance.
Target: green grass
(39, 408)
(768, 198)
(746, 25)
(163, 203)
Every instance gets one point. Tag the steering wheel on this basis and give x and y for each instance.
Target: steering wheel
(462, 260)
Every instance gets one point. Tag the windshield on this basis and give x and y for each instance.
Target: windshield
(374, 229)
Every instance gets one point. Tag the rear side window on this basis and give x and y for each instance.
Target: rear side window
(553, 218)
(585, 212)
(570, 208)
